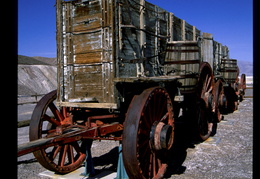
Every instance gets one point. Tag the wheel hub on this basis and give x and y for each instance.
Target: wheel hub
(161, 136)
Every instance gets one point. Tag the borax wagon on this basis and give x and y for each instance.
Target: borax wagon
(127, 69)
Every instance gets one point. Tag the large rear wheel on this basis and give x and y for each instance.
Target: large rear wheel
(218, 93)
(148, 134)
(204, 103)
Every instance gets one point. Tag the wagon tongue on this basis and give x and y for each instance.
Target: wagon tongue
(161, 136)
(68, 135)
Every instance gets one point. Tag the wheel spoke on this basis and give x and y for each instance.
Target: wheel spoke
(76, 147)
(63, 155)
(144, 149)
(56, 112)
(150, 164)
(150, 115)
(146, 123)
(208, 84)
(51, 120)
(162, 109)
(159, 163)
(154, 165)
(70, 154)
(145, 160)
(55, 152)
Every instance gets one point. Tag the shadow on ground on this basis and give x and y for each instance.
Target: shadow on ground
(184, 139)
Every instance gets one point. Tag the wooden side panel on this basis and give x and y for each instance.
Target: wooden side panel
(225, 52)
(183, 58)
(188, 32)
(85, 61)
(229, 70)
(219, 52)
(142, 36)
(88, 81)
(87, 17)
(177, 29)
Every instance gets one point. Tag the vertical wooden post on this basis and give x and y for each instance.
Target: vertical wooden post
(59, 40)
(183, 30)
(142, 40)
(142, 24)
(120, 37)
(194, 33)
(171, 26)
(207, 48)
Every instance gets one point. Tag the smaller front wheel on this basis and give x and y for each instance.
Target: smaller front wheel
(63, 158)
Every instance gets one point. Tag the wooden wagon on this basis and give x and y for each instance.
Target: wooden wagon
(127, 69)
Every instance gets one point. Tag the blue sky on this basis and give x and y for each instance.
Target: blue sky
(230, 22)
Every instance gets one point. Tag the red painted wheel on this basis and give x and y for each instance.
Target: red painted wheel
(218, 92)
(45, 118)
(204, 104)
(231, 98)
(148, 134)
(205, 127)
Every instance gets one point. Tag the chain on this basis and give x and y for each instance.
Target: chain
(182, 71)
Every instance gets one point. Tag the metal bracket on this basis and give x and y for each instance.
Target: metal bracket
(179, 97)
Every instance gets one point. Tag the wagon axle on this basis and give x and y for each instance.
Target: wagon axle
(161, 136)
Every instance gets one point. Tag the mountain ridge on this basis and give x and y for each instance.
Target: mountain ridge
(36, 75)
(245, 67)
(36, 60)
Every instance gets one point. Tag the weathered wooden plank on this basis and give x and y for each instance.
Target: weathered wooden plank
(188, 32)
(83, 43)
(207, 48)
(87, 17)
(183, 58)
(23, 123)
(88, 81)
(88, 57)
(89, 105)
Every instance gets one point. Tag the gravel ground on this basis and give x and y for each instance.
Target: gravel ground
(229, 153)
(226, 155)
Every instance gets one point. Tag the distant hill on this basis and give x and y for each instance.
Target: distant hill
(245, 67)
(25, 60)
(36, 75)
(51, 61)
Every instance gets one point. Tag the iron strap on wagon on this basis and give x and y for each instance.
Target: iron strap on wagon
(127, 70)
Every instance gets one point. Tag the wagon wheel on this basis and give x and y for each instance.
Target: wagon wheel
(231, 98)
(204, 107)
(62, 158)
(148, 134)
(242, 87)
(218, 92)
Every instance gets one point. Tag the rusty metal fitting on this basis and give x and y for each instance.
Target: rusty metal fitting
(161, 136)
